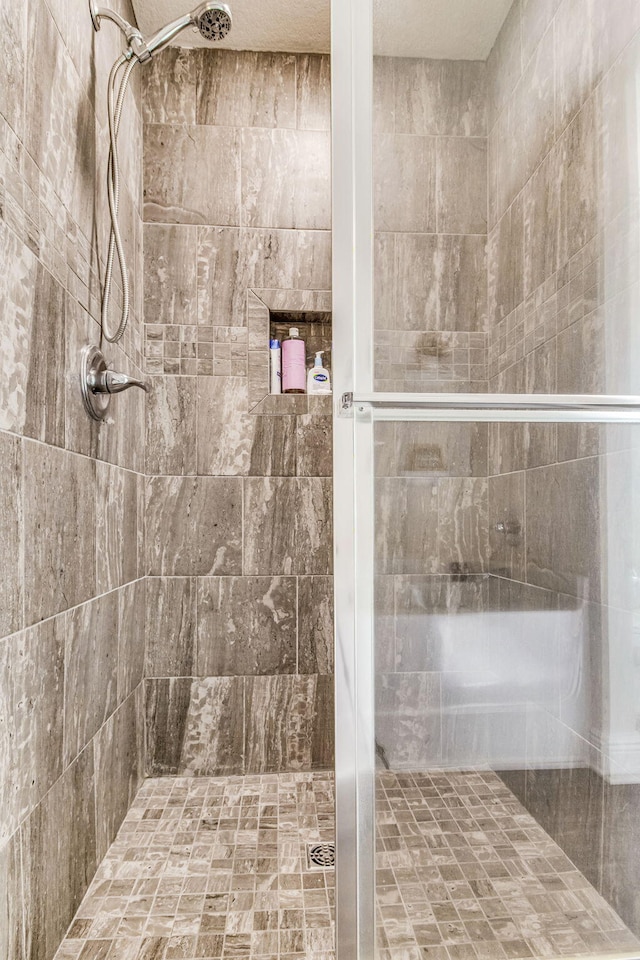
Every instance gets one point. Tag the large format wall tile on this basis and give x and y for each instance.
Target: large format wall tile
(562, 528)
(463, 525)
(246, 89)
(233, 260)
(408, 720)
(315, 625)
(11, 529)
(441, 283)
(246, 626)
(461, 188)
(621, 870)
(59, 518)
(170, 627)
(297, 194)
(116, 527)
(406, 526)
(439, 97)
(59, 856)
(289, 723)
(131, 637)
(91, 671)
(195, 727)
(169, 87)
(116, 772)
(193, 526)
(170, 273)
(405, 183)
(313, 91)
(31, 704)
(12, 901)
(170, 445)
(191, 174)
(287, 526)
(45, 387)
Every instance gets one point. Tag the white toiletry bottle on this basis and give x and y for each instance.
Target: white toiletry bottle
(275, 366)
(318, 379)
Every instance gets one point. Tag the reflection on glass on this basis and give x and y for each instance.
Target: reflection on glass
(507, 248)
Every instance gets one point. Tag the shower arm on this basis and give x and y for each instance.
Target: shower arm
(138, 46)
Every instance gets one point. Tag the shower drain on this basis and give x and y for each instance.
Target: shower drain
(320, 856)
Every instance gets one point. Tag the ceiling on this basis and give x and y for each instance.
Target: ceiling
(442, 29)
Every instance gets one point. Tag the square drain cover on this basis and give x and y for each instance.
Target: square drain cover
(321, 856)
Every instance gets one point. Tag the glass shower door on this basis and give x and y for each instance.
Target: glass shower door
(486, 448)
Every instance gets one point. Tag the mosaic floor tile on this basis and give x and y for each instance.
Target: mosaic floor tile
(216, 868)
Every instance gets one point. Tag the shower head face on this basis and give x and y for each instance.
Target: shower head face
(213, 20)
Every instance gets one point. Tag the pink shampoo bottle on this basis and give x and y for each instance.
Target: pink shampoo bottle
(294, 365)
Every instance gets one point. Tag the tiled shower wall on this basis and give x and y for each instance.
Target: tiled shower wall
(563, 299)
(239, 651)
(432, 537)
(71, 601)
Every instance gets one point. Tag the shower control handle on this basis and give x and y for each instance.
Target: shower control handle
(108, 381)
(98, 384)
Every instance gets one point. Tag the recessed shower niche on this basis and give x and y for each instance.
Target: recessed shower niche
(270, 315)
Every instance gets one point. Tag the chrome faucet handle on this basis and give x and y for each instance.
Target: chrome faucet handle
(98, 384)
(108, 381)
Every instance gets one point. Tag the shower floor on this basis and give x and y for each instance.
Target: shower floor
(217, 868)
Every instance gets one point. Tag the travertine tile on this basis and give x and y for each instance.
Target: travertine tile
(11, 533)
(463, 525)
(11, 900)
(315, 625)
(441, 283)
(272, 741)
(246, 626)
(170, 627)
(439, 97)
(169, 87)
(314, 453)
(195, 727)
(55, 847)
(406, 525)
(131, 637)
(313, 91)
(191, 174)
(287, 526)
(404, 174)
(562, 524)
(116, 772)
(461, 186)
(59, 518)
(575, 62)
(31, 694)
(408, 718)
(116, 527)
(170, 290)
(297, 192)
(244, 88)
(90, 671)
(171, 412)
(193, 526)
(506, 507)
(14, 45)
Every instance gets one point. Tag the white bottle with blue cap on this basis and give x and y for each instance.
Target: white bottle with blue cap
(275, 366)
(318, 379)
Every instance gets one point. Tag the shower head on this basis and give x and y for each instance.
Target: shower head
(211, 19)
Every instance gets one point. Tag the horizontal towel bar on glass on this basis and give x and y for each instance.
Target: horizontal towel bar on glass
(495, 407)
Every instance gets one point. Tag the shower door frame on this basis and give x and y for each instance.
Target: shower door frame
(357, 408)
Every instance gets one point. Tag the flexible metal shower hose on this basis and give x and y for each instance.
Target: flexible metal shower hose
(113, 191)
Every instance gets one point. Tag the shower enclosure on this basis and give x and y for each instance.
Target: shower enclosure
(487, 556)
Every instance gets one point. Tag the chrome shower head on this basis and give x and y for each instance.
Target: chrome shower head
(213, 20)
